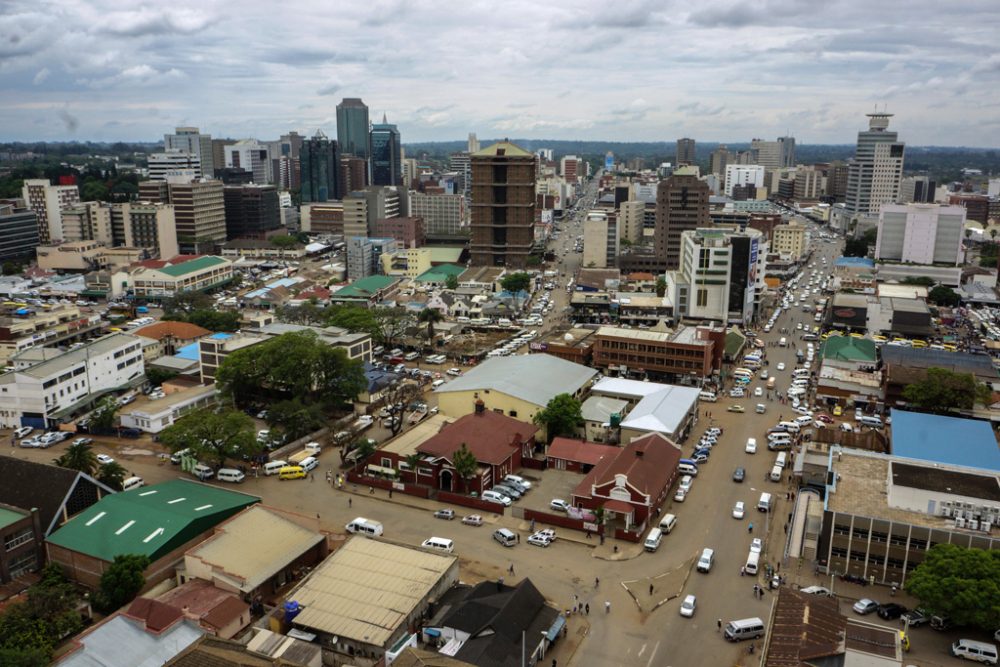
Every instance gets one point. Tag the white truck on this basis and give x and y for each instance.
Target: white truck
(363, 422)
(310, 449)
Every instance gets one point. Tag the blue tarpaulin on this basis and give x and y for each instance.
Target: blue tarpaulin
(556, 628)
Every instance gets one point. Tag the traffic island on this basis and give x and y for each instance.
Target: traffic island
(650, 593)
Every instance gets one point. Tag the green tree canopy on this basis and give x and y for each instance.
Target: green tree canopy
(112, 474)
(516, 282)
(296, 365)
(213, 435)
(352, 318)
(451, 281)
(561, 416)
(80, 457)
(961, 583)
(294, 418)
(943, 295)
(465, 463)
(284, 241)
(430, 317)
(923, 281)
(103, 417)
(390, 324)
(945, 391)
(30, 629)
(661, 286)
(121, 582)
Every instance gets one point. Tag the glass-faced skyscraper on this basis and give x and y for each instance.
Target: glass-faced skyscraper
(319, 166)
(386, 158)
(352, 127)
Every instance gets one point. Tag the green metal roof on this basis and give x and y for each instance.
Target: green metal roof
(192, 265)
(848, 348)
(438, 274)
(7, 517)
(150, 521)
(509, 150)
(734, 342)
(365, 287)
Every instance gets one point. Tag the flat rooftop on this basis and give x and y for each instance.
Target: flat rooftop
(942, 439)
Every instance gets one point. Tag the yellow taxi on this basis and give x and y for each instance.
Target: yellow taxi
(292, 472)
(880, 339)
(855, 334)
(837, 411)
(918, 343)
(950, 348)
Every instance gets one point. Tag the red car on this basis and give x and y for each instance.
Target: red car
(824, 419)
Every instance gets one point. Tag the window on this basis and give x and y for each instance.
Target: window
(702, 297)
(15, 540)
(513, 413)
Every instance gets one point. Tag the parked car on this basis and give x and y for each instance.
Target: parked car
(23, 431)
(865, 606)
(472, 520)
(916, 617)
(539, 540)
(508, 491)
(891, 610)
(688, 606)
(447, 514)
(751, 447)
(739, 474)
(104, 459)
(738, 510)
(816, 590)
(736, 408)
(82, 441)
(559, 505)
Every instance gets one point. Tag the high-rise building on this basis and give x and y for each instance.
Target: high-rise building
(809, 183)
(363, 207)
(352, 128)
(503, 205)
(789, 241)
(291, 145)
(685, 152)
(147, 225)
(48, 202)
(173, 160)
(681, 204)
(251, 211)
(461, 164)
(921, 234)
(322, 217)
(443, 215)
(875, 172)
(409, 172)
(718, 159)
(88, 221)
(408, 231)
(743, 175)
(364, 253)
(569, 167)
(199, 214)
(473, 146)
(631, 215)
(787, 152)
(836, 181)
(386, 158)
(916, 190)
(250, 155)
(189, 140)
(778, 154)
(600, 240)
(18, 230)
(353, 174)
(319, 169)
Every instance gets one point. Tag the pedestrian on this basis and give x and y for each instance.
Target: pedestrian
(651, 589)
(750, 527)
(390, 492)
(518, 536)
(532, 525)
(607, 606)
(350, 501)
(510, 570)
(718, 624)
(312, 477)
(553, 662)
(588, 533)
(597, 582)
(743, 570)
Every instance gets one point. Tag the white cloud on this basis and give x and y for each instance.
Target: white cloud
(649, 70)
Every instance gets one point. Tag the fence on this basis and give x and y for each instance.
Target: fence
(560, 520)
(285, 450)
(469, 501)
(386, 484)
(872, 441)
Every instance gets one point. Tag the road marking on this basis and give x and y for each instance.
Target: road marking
(641, 651)
(652, 655)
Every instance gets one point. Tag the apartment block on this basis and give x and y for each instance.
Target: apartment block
(18, 231)
(48, 202)
(503, 205)
(150, 226)
(88, 221)
(199, 214)
(443, 215)
(789, 241)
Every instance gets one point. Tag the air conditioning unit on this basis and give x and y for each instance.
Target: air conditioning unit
(959, 522)
(945, 511)
(986, 526)
(948, 503)
(973, 525)
(968, 515)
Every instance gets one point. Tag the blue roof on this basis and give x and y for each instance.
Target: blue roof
(222, 335)
(189, 352)
(855, 261)
(283, 282)
(951, 440)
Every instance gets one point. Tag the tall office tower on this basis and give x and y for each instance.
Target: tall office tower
(291, 144)
(363, 207)
(600, 240)
(778, 154)
(190, 140)
(146, 225)
(473, 146)
(685, 151)
(319, 169)
(743, 175)
(462, 163)
(287, 172)
(199, 214)
(172, 160)
(836, 181)
(251, 211)
(809, 183)
(631, 214)
(352, 129)
(503, 205)
(409, 171)
(88, 221)
(353, 174)
(249, 155)
(569, 167)
(386, 158)
(921, 234)
(787, 151)
(18, 230)
(48, 202)
(916, 190)
(681, 204)
(873, 176)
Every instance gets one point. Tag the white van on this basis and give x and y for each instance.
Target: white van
(230, 475)
(309, 463)
(496, 497)
(274, 467)
(801, 373)
(783, 342)
(753, 562)
(667, 523)
(132, 483)
(202, 472)
(708, 397)
(871, 420)
(743, 372)
(653, 540)
(687, 469)
(439, 544)
(363, 526)
(503, 322)
(764, 504)
(775, 474)
(437, 383)
(970, 649)
(746, 628)
(781, 460)
(791, 427)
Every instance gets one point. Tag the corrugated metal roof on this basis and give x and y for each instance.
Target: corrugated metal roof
(241, 558)
(193, 265)
(663, 411)
(535, 378)
(953, 440)
(103, 645)
(367, 589)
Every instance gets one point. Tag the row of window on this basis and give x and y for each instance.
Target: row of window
(14, 540)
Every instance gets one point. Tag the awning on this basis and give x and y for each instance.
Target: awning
(380, 470)
(557, 626)
(619, 507)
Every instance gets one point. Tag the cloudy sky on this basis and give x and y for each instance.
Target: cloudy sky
(627, 70)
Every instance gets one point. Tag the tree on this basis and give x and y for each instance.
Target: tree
(214, 320)
(945, 391)
(121, 582)
(413, 462)
(307, 313)
(451, 282)
(855, 248)
(430, 317)
(515, 283)
(352, 318)
(78, 457)
(364, 447)
(465, 464)
(399, 394)
(30, 629)
(390, 324)
(943, 295)
(102, 419)
(961, 583)
(157, 376)
(186, 302)
(283, 241)
(112, 474)
(661, 287)
(561, 416)
(922, 281)
(213, 435)
(294, 418)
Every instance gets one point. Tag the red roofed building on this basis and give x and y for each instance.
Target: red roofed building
(577, 455)
(171, 336)
(497, 441)
(632, 483)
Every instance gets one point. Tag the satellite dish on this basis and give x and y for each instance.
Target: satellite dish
(568, 337)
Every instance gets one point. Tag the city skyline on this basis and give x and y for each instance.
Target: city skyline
(633, 71)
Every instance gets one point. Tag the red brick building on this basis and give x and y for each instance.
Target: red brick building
(503, 206)
(634, 482)
(577, 455)
(408, 231)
